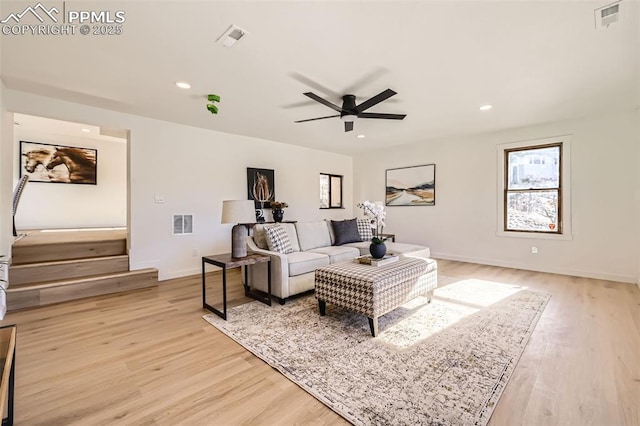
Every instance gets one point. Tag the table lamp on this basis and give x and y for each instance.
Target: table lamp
(239, 212)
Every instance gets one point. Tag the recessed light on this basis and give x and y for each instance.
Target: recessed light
(84, 129)
(183, 85)
(361, 136)
(486, 107)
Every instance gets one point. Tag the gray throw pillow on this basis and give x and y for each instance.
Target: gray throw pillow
(346, 231)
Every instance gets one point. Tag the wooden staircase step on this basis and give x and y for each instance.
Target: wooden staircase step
(46, 293)
(50, 252)
(32, 273)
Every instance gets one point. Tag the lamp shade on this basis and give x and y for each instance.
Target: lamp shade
(238, 211)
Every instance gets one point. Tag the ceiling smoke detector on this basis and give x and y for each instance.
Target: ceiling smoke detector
(231, 36)
(607, 15)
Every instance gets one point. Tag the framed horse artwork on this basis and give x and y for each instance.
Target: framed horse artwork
(58, 163)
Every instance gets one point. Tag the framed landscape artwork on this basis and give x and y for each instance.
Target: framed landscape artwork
(411, 186)
(58, 163)
(261, 187)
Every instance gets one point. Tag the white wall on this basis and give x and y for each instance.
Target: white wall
(195, 170)
(637, 218)
(6, 162)
(462, 224)
(49, 205)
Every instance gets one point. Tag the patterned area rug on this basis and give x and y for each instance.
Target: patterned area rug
(444, 362)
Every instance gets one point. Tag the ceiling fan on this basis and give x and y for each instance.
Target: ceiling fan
(349, 111)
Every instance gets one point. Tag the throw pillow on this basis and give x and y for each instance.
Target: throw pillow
(365, 229)
(260, 237)
(278, 239)
(346, 231)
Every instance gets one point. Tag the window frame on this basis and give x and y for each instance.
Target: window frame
(564, 205)
(331, 176)
(506, 180)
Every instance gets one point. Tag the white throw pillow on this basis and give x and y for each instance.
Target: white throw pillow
(278, 239)
(365, 229)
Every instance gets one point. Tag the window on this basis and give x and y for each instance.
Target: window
(330, 191)
(533, 189)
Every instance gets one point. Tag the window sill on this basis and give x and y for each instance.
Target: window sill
(535, 236)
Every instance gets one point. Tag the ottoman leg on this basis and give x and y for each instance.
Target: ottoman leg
(373, 325)
(429, 296)
(322, 305)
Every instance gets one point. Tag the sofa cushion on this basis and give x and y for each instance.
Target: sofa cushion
(346, 231)
(260, 237)
(332, 235)
(312, 235)
(278, 239)
(304, 261)
(337, 253)
(364, 229)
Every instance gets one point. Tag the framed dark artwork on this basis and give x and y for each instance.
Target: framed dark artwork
(261, 187)
(411, 186)
(58, 163)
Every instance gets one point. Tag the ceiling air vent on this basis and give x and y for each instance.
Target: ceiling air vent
(607, 15)
(231, 36)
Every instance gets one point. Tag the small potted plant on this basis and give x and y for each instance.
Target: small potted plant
(277, 208)
(377, 215)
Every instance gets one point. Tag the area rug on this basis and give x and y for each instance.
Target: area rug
(445, 362)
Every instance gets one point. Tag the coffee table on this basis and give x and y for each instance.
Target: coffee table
(375, 290)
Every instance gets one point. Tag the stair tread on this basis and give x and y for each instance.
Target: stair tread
(68, 261)
(78, 280)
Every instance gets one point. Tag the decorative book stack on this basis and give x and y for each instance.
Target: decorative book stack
(368, 260)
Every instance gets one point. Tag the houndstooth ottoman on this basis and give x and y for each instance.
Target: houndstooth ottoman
(375, 290)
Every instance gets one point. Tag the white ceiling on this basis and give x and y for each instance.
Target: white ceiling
(29, 124)
(535, 61)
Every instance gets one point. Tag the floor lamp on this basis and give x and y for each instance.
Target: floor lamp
(240, 212)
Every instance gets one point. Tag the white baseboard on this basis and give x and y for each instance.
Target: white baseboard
(551, 270)
(179, 274)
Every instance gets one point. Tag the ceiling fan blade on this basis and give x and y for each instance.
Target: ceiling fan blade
(318, 118)
(375, 100)
(380, 115)
(348, 126)
(323, 101)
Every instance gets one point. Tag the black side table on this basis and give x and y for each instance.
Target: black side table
(225, 261)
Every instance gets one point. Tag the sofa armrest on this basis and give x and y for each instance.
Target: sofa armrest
(279, 271)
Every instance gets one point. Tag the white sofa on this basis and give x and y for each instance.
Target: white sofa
(312, 244)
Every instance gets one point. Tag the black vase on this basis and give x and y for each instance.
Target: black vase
(377, 250)
(278, 214)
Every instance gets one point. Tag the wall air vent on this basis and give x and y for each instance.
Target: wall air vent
(182, 224)
(607, 15)
(231, 36)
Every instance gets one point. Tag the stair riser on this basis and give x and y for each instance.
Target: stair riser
(35, 273)
(78, 290)
(66, 251)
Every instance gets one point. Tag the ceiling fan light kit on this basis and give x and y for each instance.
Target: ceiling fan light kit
(349, 112)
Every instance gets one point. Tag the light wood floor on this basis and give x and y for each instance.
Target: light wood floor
(146, 357)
